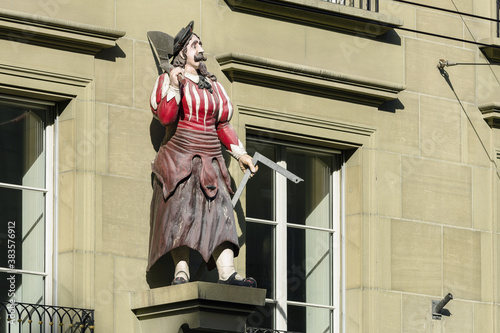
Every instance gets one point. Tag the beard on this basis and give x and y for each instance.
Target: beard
(203, 71)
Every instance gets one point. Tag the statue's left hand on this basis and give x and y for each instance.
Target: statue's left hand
(245, 162)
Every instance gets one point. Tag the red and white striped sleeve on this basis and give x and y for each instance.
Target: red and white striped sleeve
(165, 100)
(225, 132)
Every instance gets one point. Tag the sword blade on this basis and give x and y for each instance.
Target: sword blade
(257, 157)
(264, 160)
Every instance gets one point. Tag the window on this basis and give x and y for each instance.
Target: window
(292, 237)
(26, 199)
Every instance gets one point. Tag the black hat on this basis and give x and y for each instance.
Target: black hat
(182, 38)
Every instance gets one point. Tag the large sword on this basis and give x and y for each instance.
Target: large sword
(257, 157)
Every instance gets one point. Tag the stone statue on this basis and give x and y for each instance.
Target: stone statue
(191, 205)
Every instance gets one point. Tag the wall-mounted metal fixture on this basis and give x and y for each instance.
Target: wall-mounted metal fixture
(446, 63)
(437, 307)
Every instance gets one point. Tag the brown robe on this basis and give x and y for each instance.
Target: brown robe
(191, 204)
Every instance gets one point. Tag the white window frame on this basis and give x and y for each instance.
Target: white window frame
(280, 236)
(49, 191)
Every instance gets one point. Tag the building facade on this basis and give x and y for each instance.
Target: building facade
(388, 109)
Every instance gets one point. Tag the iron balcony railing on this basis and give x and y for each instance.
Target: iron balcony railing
(26, 317)
(371, 5)
(265, 330)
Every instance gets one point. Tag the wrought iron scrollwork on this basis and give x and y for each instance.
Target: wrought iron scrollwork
(19, 317)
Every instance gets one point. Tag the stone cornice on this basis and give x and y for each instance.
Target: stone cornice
(492, 51)
(308, 80)
(310, 121)
(38, 83)
(55, 33)
(303, 128)
(322, 14)
(491, 113)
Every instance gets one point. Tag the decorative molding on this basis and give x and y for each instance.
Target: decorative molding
(492, 51)
(55, 33)
(307, 80)
(491, 113)
(32, 82)
(304, 128)
(321, 14)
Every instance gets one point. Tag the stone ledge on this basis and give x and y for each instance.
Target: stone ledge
(309, 80)
(303, 128)
(202, 306)
(491, 113)
(40, 84)
(55, 33)
(322, 14)
(492, 50)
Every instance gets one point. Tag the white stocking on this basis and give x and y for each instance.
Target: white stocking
(224, 259)
(180, 256)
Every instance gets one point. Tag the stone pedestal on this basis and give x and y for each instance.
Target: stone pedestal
(196, 307)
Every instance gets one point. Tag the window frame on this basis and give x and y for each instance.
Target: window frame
(281, 226)
(49, 143)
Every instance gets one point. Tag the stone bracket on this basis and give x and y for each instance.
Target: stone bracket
(196, 307)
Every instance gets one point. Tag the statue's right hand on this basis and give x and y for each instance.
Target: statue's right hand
(174, 73)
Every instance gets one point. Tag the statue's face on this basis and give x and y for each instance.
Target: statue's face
(194, 51)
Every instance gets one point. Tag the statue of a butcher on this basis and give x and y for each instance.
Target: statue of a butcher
(191, 207)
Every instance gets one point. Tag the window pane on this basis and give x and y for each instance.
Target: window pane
(22, 229)
(26, 288)
(260, 188)
(22, 146)
(309, 201)
(308, 319)
(309, 263)
(260, 255)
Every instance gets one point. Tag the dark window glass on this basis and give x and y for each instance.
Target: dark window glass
(296, 320)
(22, 152)
(260, 188)
(260, 255)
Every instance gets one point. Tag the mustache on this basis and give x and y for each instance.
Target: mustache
(200, 57)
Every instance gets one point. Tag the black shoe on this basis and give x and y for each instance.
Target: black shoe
(247, 282)
(179, 280)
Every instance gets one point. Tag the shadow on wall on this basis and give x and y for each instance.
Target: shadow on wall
(110, 54)
(392, 106)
